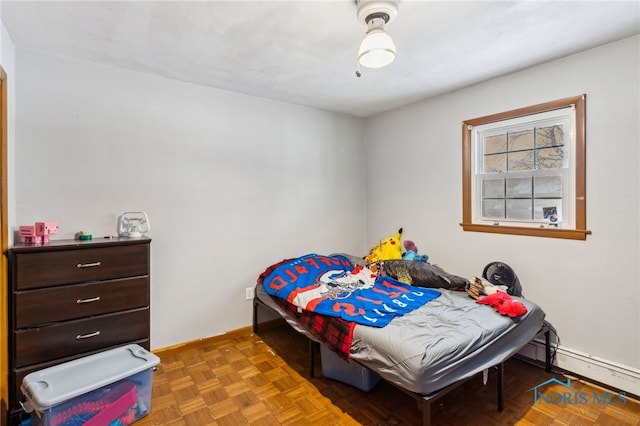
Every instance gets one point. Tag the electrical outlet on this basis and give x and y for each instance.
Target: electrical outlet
(249, 293)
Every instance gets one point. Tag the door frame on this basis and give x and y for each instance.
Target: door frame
(4, 247)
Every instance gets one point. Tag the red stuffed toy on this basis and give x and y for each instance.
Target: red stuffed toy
(504, 304)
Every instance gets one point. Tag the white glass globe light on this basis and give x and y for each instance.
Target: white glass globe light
(377, 49)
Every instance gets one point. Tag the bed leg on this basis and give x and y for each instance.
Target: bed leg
(426, 413)
(547, 351)
(255, 315)
(501, 386)
(312, 358)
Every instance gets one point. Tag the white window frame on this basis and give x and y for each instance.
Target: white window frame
(572, 223)
(564, 117)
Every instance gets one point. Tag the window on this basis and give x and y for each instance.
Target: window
(524, 171)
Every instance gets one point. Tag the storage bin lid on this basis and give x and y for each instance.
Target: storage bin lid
(51, 386)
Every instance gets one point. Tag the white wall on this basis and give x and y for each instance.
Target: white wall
(589, 289)
(231, 183)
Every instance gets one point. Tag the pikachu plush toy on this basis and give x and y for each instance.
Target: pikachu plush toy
(388, 249)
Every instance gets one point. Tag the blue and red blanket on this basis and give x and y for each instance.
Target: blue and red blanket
(333, 286)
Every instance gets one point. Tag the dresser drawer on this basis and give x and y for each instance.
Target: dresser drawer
(47, 305)
(39, 269)
(60, 340)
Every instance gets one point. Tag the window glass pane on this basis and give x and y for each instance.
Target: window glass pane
(540, 206)
(521, 140)
(520, 160)
(493, 188)
(550, 158)
(493, 209)
(519, 209)
(549, 136)
(495, 144)
(519, 188)
(495, 163)
(547, 186)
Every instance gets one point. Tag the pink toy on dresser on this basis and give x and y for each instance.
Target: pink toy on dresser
(38, 233)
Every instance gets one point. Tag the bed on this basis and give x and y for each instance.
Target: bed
(425, 352)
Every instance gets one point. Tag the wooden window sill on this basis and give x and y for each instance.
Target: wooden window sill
(571, 234)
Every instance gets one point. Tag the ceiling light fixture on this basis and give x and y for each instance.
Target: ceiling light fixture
(377, 49)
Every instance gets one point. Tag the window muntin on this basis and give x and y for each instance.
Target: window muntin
(524, 171)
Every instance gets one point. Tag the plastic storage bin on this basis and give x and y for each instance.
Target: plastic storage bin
(108, 388)
(350, 373)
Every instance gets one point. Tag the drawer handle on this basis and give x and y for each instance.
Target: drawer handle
(88, 265)
(87, 336)
(93, 299)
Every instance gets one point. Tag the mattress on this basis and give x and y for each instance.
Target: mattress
(447, 340)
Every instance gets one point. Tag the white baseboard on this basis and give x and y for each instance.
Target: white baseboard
(600, 370)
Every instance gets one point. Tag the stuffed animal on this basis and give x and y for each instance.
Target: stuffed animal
(480, 286)
(410, 246)
(411, 252)
(388, 249)
(504, 304)
(513, 308)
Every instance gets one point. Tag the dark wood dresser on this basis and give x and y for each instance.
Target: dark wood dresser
(73, 298)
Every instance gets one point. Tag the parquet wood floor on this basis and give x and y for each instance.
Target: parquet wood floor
(262, 379)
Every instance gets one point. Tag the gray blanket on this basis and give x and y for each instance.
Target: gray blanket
(449, 339)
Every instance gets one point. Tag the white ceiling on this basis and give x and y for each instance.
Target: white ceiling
(304, 52)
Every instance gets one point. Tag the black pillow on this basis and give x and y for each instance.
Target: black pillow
(423, 274)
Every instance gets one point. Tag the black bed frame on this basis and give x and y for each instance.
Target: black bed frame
(423, 401)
